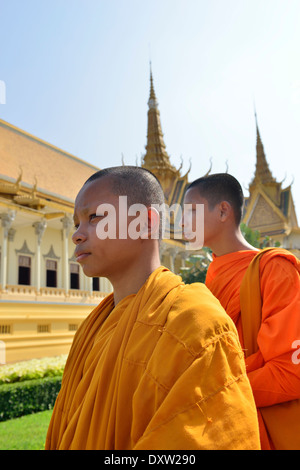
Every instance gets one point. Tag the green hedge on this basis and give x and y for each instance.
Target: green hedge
(22, 398)
(32, 369)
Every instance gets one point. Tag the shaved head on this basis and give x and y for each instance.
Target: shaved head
(138, 184)
(221, 187)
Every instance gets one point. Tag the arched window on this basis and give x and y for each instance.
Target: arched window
(24, 271)
(74, 276)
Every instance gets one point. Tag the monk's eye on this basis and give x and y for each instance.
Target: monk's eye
(94, 217)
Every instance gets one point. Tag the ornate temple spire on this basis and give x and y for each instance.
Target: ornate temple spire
(156, 158)
(156, 155)
(152, 99)
(263, 173)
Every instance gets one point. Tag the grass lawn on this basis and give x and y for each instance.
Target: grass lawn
(25, 433)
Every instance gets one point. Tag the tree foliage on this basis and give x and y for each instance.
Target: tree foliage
(196, 268)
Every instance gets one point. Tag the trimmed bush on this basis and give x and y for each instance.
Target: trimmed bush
(32, 369)
(22, 398)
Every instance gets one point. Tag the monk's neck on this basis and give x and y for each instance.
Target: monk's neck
(230, 243)
(130, 281)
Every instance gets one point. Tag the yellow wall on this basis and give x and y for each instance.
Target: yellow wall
(26, 320)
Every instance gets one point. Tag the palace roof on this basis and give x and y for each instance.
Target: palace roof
(31, 161)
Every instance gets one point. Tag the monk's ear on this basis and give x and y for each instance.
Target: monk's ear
(225, 211)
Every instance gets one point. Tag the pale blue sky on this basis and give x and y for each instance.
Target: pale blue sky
(77, 76)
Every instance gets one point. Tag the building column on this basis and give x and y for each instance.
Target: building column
(173, 253)
(171, 260)
(105, 285)
(40, 228)
(67, 224)
(184, 256)
(90, 284)
(6, 222)
(162, 251)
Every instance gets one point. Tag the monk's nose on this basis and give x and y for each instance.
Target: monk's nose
(78, 237)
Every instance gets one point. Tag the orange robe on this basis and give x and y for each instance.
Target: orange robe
(274, 376)
(162, 370)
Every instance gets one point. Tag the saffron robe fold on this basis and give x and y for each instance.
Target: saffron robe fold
(282, 420)
(274, 376)
(163, 369)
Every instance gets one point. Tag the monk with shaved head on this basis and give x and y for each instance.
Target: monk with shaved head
(158, 364)
(260, 291)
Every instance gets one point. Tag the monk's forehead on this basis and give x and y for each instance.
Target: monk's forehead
(98, 191)
(193, 195)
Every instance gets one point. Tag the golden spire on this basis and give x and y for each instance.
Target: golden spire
(263, 174)
(156, 155)
(156, 158)
(152, 99)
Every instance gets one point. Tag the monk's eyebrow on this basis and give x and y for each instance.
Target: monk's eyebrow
(83, 211)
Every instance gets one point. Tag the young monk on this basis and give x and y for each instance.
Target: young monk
(157, 365)
(272, 362)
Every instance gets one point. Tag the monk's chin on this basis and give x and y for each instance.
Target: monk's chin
(90, 272)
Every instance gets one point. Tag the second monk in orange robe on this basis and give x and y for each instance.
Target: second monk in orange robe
(273, 366)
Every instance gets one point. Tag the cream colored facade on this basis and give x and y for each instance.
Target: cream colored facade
(44, 294)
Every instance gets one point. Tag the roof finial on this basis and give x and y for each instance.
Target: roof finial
(152, 99)
(255, 111)
(206, 174)
(262, 171)
(156, 158)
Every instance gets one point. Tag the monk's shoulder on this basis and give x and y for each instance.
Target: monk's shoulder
(279, 263)
(197, 317)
